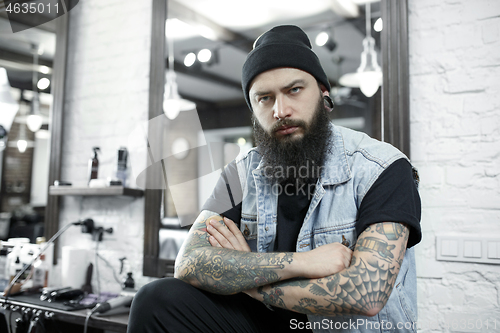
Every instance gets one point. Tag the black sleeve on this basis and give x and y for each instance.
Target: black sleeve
(227, 195)
(393, 198)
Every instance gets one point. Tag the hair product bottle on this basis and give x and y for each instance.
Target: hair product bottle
(121, 167)
(93, 165)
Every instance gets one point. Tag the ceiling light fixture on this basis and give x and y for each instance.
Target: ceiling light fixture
(378, 25)
(324, 39)
(44, 69)
(22, 141)
(204, 55)
(368, 76)
(43, 83)
(189, 59)
(172, 101)
(34, 120)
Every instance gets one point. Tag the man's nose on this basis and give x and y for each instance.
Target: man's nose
(282, 108)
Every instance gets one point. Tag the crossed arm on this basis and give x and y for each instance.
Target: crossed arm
(322, 281)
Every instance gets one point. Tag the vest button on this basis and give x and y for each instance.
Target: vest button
(267, 228)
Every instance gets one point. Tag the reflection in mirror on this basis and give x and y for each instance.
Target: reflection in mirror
(26, 57)
(214, 85)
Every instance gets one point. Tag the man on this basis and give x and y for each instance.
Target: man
(271, 250)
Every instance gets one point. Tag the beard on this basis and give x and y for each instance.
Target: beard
(294, 160)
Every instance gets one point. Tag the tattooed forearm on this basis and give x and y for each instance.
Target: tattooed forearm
(363, 288)
(226, 271)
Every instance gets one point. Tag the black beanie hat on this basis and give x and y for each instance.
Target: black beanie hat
(282, 46)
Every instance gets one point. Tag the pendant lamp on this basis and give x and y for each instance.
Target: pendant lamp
(172, 101)
(34, 120)
(368, 76)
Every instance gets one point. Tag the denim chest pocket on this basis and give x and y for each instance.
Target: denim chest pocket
(345, 234)
(248, 227)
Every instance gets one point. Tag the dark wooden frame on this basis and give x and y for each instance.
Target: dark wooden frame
(395, 66)
(152, 265)
(395, 108)
(56, 124)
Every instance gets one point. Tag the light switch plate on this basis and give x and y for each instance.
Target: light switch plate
(476, 249)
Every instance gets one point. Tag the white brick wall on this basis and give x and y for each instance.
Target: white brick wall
(106, 97)
(455, 124)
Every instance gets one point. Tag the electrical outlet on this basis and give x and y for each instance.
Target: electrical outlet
(493, 249)
(474, 249)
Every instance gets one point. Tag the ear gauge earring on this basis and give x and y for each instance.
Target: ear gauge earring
(328, 102)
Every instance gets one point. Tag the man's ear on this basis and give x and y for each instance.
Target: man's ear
(326, 96)
(324, 91)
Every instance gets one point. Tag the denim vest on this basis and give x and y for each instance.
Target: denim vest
(354, 163)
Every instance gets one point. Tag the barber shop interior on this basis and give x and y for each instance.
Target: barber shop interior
(146, 151)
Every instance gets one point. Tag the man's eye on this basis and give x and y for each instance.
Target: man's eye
(295, 90)
(263, 99)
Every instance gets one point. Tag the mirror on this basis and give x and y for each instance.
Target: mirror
(221, 110)
(27, 57)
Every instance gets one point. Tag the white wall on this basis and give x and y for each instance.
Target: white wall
(106, 97)
(455, 134)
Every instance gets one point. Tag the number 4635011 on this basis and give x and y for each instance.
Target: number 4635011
(31, 8)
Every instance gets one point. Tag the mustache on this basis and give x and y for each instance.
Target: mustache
(288, 122)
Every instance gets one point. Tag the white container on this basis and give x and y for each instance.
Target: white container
(3, 264)
(73, 266)
(13, 262)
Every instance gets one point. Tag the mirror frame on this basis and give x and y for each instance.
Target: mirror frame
(395, 108)
(152, 265)
(56, 125)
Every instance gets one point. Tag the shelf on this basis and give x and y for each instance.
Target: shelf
(95, 191)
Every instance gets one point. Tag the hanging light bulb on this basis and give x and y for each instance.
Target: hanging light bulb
(172, 101)
(368, 76)
(22, 143)
(34, 120)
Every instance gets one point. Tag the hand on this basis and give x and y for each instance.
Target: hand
(325, 260)
(228, 236)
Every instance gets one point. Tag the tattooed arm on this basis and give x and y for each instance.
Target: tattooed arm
(228, 271)
(362, 288)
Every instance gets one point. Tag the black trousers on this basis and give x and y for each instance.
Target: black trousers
(171, 305)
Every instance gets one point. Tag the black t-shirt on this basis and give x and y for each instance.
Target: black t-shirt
(392, 198)
(293, 204)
